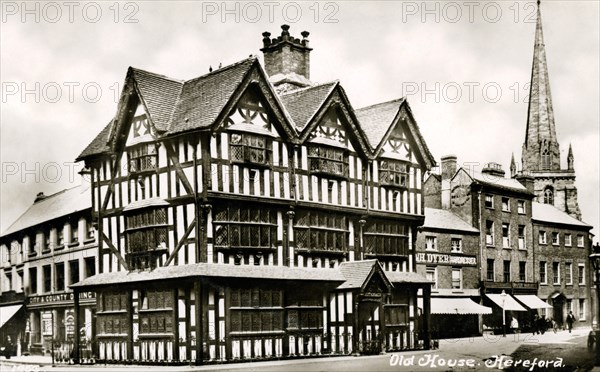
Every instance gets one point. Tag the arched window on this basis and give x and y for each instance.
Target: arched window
(549, 196)
(546, 159)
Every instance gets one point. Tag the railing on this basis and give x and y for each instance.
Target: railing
(63, 352)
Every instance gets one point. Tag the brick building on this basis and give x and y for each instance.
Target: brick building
(48, 248)
(247, 215)
(500, 209)
(561, 252)
(447, 254)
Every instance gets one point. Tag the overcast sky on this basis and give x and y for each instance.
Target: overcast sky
(464, 66)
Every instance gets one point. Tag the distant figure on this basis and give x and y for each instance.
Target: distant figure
(542, 324)
(536, 324)
(514, 324)
(570, 320)
(8, 348)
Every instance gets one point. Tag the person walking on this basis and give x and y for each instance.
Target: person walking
(542, 324)
(570, 320)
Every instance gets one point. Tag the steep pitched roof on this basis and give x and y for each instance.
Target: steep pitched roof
(549, 213)
(302, 104)
(358, 272)
(444, 219)
(98, 145)
(376, 119)
(62, 203)
(159, 94)
(202, 99)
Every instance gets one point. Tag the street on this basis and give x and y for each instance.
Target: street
(523, 352)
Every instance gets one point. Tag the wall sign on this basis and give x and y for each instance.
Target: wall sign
(445, 259)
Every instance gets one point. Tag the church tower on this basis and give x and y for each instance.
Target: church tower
(541, 150)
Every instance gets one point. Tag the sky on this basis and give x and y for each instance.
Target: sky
(464, 67)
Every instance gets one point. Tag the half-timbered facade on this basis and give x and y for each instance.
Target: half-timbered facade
(244, 218)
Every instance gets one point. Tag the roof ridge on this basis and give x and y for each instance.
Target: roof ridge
(134, 69)
(299, 90)
(401, 99)
(224, 68)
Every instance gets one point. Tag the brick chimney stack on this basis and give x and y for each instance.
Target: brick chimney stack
(287, 59)
(448, 171)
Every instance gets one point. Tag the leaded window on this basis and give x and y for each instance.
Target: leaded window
(328, 160)
(321, 231)
(393, 173)
(249, 148)
(143, 158)
(386, 238)
(156, 311)
(146, 237)
(236, 227)
(256, 310)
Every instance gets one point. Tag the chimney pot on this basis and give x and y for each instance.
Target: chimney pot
(305, 34)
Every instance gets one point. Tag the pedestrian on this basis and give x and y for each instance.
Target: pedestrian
(570, 320)
(514, 325)
(535, 324)
(542, 324)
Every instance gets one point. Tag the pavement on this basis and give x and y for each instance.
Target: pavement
(489, 352)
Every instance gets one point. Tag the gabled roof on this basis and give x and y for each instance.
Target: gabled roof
(380, 119)
(376, 119)
(549, 213)
(444, 219)
(98, 145)
(202, 99)
(303, 104)
(358, 273)
(176, 106)
(158, 94)
(57, 205)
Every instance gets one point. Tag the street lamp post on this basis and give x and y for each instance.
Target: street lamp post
(595, 260)
(503, 294)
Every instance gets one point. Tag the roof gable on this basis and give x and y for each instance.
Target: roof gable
(384, 121)
(303, 104)
(338, 105)
(363, 275)
(158, 94)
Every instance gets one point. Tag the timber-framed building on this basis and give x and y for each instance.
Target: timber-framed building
(251, 213)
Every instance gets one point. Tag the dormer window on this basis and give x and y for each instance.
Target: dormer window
(143, 158)
(393, 173)
(327, 160)
(250, 148)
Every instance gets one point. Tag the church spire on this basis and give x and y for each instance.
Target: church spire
(540, 150)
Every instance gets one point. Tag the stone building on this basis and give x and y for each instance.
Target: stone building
(541, 156)
(251, 215)
(48, 248)
(447, 254)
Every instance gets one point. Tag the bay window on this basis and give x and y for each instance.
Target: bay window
(328, 160)
(393, 173)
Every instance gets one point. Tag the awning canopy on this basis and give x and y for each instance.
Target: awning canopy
(533, 301)
(509, 302)
(457, 306)
(7, 312)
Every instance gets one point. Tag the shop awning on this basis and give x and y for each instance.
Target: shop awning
(510, 303)
(533, 301)
(457, 306)
(7, 312)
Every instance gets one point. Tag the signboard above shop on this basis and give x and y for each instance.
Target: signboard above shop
(445, 259)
